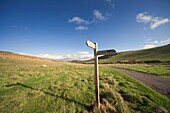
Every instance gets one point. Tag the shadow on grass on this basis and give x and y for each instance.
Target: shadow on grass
(48, 93)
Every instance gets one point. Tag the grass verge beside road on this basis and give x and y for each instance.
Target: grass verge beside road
(161, 70)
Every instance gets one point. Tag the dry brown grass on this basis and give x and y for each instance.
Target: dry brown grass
(111, 102)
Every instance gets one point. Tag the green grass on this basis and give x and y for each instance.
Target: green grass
(160, 54)
(166, 77)
(162, 70)
(25, 86)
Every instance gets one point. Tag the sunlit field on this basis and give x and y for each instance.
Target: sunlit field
(26, 86)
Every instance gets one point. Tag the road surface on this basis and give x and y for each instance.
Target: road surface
(155, 82)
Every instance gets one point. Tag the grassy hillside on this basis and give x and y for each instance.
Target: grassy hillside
(157, 55)
(4, 54)
(26, 86)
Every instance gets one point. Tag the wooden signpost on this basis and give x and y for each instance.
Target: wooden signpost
(96, 69)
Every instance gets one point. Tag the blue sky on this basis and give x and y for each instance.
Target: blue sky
(59, 28)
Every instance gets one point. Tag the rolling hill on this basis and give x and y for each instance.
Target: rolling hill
(154, 55)
(5, 54)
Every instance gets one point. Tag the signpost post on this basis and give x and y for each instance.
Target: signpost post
(96, 53)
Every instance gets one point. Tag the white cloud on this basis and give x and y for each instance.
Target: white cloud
(98, 15)
(82, 55)
(149, 46)
(154, 42)
(78, 20)
(159, 22)
(49, 56)
(165, 41)
(110, 2)
(23, 53)
(83, 52)
(143, 18)
(81, 28)
(149, 43)
(78, 56)
(146, 39)
(154, 21)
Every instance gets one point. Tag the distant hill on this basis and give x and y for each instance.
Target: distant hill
(154, 55)
(6, 54)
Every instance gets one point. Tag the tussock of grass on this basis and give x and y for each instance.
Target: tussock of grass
(112, 100)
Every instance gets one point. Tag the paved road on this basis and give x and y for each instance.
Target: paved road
(157, 83)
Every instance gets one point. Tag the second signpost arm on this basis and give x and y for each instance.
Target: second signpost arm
(96, 76)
